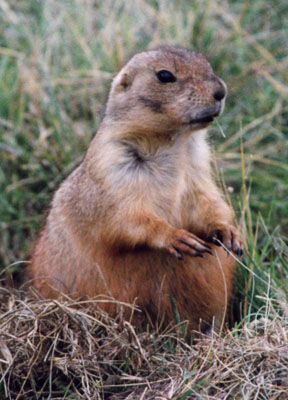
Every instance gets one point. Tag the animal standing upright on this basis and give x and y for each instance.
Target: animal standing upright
(140, 220)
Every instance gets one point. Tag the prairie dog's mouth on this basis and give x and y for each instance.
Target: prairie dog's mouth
(206, 116)
(203, 120)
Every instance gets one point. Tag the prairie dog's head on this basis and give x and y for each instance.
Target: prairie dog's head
(166, 89)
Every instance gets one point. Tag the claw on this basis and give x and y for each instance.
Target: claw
(209, 252)
(239, 252)
(178, 255)
(207, 245)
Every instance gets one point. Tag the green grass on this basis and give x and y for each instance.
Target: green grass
(56, 64)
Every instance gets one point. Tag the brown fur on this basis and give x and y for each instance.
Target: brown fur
(143, 198)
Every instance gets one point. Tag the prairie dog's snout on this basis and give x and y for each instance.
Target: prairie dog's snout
(220, 90)
(220, 93)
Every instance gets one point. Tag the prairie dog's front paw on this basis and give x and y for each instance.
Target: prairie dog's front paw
(229, 236)
(185, 242)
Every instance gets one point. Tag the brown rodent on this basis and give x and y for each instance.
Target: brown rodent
(132, 222)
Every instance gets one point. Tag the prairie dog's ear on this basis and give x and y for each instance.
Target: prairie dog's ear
(126, 80)
(123, 80)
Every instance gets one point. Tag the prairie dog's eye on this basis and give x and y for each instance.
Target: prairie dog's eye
(165, 76)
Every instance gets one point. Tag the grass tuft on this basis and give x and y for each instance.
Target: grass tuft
(67, 351)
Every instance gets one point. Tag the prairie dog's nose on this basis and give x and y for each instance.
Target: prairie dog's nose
(220, 91)
(219, 94)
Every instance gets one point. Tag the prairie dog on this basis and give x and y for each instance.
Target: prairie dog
(140, 219)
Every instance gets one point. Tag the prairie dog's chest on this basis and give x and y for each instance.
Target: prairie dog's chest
(153, 181)
(164, 182)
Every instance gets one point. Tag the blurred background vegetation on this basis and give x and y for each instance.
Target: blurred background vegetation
(57, 59)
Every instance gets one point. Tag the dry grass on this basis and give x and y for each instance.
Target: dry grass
(52, 350)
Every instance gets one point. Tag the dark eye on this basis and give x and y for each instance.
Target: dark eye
(165, 76)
